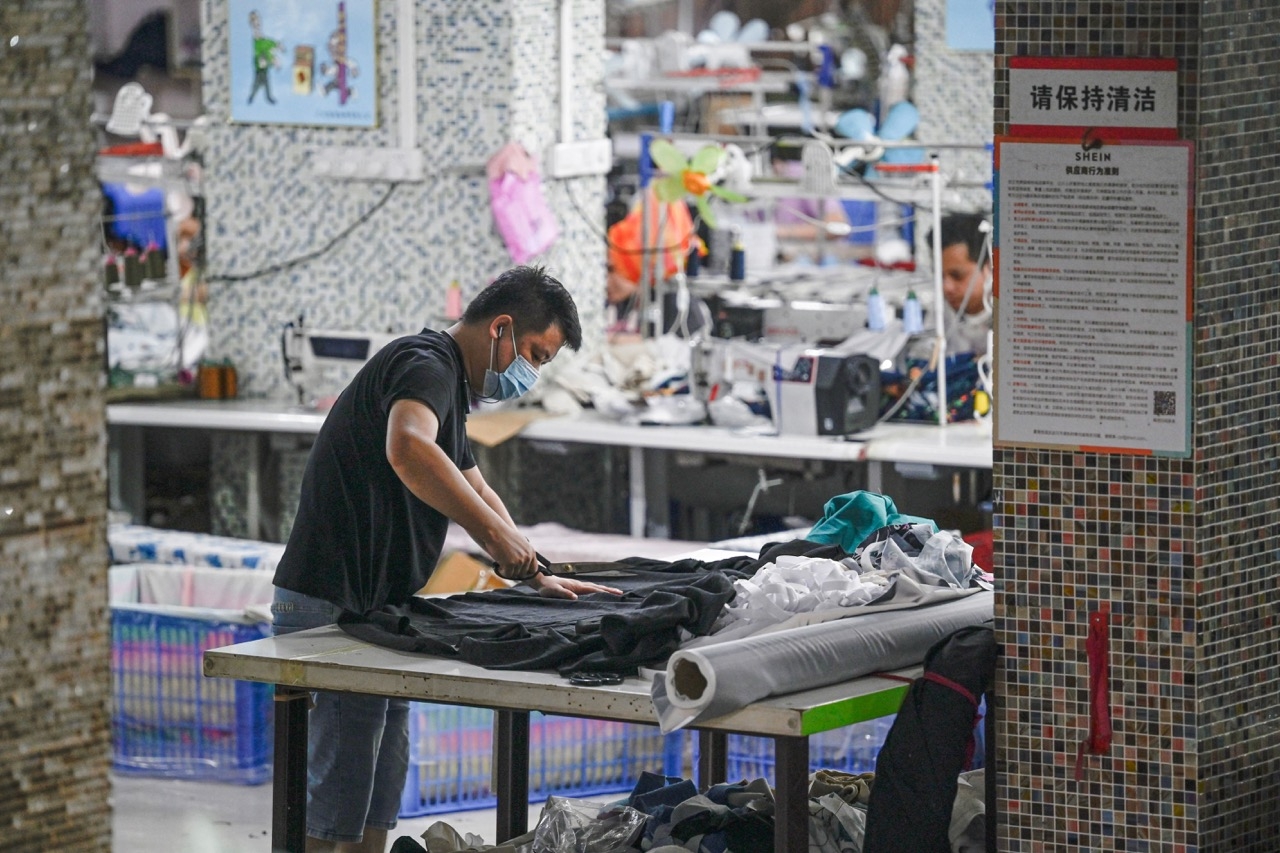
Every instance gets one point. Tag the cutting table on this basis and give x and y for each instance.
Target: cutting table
(328, 659)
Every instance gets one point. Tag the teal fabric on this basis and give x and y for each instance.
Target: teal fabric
(849, 519)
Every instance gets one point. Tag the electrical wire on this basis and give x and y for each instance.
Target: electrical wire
(310, 256)
(862, 179)
(841, 226)
(912, 386)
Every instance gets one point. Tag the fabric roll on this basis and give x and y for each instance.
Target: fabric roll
(710, 681)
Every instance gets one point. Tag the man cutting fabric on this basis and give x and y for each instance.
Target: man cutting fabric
(389, 468)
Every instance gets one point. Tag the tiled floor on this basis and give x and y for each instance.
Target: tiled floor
(167, 815)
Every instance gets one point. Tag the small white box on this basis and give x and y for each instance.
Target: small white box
(571, 159)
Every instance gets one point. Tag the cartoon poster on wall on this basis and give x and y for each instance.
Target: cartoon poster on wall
(303, 62)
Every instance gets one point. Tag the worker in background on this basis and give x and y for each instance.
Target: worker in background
(966, 281)
(391, 466)
(804, 220)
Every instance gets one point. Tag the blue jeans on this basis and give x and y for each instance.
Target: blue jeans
(357, 746)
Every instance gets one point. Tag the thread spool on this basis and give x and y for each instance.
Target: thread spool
(912, 315)
(737, 258)
(132, 268)
(229, 379)
(209, 381)
(875, 311)
(111, 270)
(693, 264)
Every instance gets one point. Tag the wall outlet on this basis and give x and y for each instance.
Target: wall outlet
(571, 159)
(367, 164)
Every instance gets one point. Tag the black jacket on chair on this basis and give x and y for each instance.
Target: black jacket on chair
(929, 745)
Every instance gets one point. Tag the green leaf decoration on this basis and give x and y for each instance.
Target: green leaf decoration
(668, 157)
(707, 158)
(704, 210)
(670, 188)
(728, 195)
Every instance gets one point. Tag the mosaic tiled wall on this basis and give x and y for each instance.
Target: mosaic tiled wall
(953, 91)
(54, 655)
(1179, 551)
(488, 73)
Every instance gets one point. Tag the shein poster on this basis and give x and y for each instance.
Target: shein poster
(303, 62)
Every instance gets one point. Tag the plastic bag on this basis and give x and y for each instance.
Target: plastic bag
(521, 213)
(583, 826)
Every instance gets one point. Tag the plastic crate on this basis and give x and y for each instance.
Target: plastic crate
(135, 543)
(167, 719)
(852, 749)
(451, 757)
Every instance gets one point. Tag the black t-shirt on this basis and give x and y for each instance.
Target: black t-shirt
(361, 539)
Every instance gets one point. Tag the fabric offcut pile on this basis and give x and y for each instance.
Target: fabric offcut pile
(668, 815)
(786, 611)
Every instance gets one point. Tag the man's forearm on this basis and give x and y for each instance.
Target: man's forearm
(437, 482)
(490, 497)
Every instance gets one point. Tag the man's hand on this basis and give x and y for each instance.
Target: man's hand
(551, 586)
(514, 555)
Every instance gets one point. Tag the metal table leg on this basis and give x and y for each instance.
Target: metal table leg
(289, 783)
(713, 757)
(791, 794)
(638, 506)
(127, 471)
(511, 766)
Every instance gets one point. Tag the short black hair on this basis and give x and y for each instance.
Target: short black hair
(534, 298)
(964, 228)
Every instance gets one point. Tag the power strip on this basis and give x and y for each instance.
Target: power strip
(572, 159)
(367, 164)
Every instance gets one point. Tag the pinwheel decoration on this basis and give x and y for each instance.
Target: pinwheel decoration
(683, 176)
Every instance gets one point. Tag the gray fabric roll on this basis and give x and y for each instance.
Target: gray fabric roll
(710, 681)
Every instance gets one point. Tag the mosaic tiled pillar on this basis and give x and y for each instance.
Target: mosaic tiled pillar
(55, 630)
(1181, 552)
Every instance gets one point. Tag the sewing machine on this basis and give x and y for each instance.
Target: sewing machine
(810, 391)
(322, 361)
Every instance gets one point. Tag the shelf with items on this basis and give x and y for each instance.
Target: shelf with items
(155, 329)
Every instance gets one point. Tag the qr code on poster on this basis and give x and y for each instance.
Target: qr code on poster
(1165, 403)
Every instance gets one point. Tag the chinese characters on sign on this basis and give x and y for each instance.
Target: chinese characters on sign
(1058, 96)
(1092, 287)
(1112, 99)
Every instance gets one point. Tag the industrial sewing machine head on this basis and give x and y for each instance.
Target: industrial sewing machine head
(808, 390)
(319, 363)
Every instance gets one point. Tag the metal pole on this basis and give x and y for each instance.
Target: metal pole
(939, 300)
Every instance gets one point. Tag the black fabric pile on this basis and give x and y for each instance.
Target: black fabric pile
(928, 747)
(519, 630)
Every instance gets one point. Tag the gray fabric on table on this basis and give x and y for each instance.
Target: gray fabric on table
(738, 673)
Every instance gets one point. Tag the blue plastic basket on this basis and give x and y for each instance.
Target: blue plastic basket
(451, 757)
(852, 749)
(167, 718)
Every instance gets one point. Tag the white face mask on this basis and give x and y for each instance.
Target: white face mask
(513, 382)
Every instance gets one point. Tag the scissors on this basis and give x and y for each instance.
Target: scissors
(575, 569)
(594, 679)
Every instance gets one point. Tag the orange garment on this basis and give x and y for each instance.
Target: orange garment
(625, 256)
